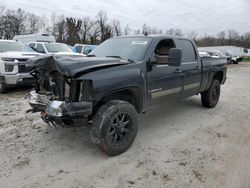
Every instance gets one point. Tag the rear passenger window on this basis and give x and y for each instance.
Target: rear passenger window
(188, 52)
(78, 49)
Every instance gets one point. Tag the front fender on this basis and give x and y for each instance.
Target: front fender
(105, 82)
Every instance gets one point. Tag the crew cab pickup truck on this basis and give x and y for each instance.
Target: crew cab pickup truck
(13, 57)
(122, 77)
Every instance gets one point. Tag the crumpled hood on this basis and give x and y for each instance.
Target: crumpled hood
(72, 66)
(66, 53)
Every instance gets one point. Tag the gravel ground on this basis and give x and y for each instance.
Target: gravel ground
(178, 145)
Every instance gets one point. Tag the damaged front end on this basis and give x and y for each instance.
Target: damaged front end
(60, 98)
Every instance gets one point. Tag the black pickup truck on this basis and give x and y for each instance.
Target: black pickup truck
(122, 77)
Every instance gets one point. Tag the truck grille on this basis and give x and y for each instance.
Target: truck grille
(22, 69)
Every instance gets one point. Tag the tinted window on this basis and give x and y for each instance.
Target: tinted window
(133, 48)
(188, 52)
(57, 47)
(78, 49)
(87, 50)
(163, 47)
(39, 48)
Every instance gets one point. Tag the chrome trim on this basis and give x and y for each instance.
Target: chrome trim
(191, 86)
(166, 92)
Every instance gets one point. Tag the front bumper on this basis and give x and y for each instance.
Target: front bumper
(52, 109)
(19, 79)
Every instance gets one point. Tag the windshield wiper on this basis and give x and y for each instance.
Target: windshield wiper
(115, 56)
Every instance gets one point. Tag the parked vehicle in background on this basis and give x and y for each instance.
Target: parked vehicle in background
(215, 54)
(34, 38)
(236, 53)
(84, 48)
(51, 48)
(204, 54)
(123, 76)
(13, 58)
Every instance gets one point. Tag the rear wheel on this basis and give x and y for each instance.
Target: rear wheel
(211, 97)
(114, 127)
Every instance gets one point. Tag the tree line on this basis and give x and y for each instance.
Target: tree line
(95, 30)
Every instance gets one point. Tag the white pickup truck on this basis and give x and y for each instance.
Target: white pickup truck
(13, 57)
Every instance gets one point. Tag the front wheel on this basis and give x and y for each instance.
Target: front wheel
(211, 97)
(2, 88)
(114, 127)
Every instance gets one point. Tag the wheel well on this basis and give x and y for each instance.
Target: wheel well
(218, 76)
(130, 95)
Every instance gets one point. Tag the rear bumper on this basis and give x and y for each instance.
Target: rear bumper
(58, 110)
(17, 79)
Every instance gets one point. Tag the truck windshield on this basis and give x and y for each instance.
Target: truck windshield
(129, 48)
(8, 46)
(57, 47)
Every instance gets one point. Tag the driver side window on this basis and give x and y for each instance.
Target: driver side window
(162, 50)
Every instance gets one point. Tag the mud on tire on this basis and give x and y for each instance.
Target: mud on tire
(211, 97)
(114, 127)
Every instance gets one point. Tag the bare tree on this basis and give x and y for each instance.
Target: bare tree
(53, 24)
(117, 27)
(192, 35)
(73, 28)
(221, 37)
(85, 29)
(102, 21)
(127, 30)
(137, 31)
(94, 32)
(173, 31)
(61, 29)
(2, 9)
(232, 36)
(44, 24)
(33, 23)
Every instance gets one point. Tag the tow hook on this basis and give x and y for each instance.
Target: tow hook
(44, 116)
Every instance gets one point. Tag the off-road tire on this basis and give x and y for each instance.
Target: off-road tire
(110, 132)
(211, 97)
(3, 88)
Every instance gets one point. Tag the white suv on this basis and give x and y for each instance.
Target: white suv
(13, 57)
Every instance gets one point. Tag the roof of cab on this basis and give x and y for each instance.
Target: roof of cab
(152, 36)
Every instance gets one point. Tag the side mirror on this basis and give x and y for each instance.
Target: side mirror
(175, 57)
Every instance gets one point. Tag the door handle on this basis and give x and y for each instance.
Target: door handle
(178, 71)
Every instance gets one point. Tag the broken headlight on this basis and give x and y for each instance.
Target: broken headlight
(56, 108)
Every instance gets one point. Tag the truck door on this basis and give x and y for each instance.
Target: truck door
(164, 81)
(190, 67)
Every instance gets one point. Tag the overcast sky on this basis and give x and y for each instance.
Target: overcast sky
(210, 16)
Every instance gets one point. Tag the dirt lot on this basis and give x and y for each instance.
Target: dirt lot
(184, 145)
